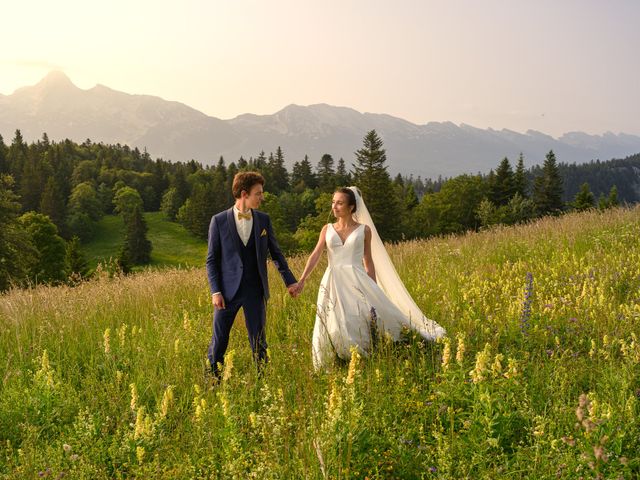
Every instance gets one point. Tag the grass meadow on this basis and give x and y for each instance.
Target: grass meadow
(172, 244)
(539, 376)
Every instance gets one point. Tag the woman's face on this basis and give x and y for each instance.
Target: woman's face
(340, 205)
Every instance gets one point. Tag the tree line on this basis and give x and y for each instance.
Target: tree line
(52, 194)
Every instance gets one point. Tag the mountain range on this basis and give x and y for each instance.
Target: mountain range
(177, 132)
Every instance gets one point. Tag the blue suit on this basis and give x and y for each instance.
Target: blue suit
(239, 273)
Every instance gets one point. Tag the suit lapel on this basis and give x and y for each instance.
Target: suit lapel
(233, 231)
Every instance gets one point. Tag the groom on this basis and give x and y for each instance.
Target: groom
(239, 239)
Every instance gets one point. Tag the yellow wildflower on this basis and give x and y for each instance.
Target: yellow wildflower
(353, 366)
(167, 401)
(482, 358)
(140, 454)
(107, 341)
(460, 350)
(134, 397)
(446, 354)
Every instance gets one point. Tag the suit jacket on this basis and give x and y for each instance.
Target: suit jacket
(224, 264)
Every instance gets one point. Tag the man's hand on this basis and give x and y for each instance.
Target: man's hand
(293, 289)
(217, 300)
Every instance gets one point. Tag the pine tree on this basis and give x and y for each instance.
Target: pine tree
(169, 205)
(31, 182)
(520, 178)
(343, 178)
(242, 164)
(302, 176)
(17, 156)
(547, 188)
(326, 174)
(503, 187)
(612, 199)
(584, 199)
(221, 169)
(410, 198)
(4, 164)
(179, 182)
(260, 164)
(137, 247)
(207, 199)
(76, 262)
(278, 177)
(371, 176)
(53, 205)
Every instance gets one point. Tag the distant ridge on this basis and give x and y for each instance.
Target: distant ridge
(178, 132)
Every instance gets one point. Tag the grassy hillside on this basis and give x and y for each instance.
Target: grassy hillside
(172, 244)
(539, 376)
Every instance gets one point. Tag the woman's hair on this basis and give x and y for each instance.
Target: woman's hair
(244, 181)
(350, 195)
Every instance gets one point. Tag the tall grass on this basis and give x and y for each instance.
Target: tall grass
(538, 378)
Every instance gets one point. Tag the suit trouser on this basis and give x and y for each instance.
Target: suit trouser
(254, 308)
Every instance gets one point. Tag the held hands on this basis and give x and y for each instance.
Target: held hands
(295, 289)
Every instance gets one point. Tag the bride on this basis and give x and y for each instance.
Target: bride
(360, 293)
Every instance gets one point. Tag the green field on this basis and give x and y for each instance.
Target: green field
(539, 376)
(172, 245)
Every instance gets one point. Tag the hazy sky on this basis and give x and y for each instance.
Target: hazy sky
(554, 66)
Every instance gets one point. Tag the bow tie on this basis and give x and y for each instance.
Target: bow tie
(244, 216)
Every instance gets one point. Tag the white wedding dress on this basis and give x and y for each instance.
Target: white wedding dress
(350, 303)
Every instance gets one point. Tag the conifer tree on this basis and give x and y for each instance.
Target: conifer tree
(170, 205)
(520, 178)
(278, 177)
(302, 176)
(53, 205)
(260, 164)
(207, 198)
(242, 164)
(137, 248)
(4, 165)
(221, 169)
(179, 182)
(547, 188)
(503, 187)
(326, 174)
(17, 156)
(76, 262)
(372, 178)
(612, 199)
(584, 199)
(343, 178)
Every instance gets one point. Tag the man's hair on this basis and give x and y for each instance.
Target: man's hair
(245, 181)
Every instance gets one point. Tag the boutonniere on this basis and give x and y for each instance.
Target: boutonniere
(263, 233)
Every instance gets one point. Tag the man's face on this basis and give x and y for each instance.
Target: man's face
(255, 196)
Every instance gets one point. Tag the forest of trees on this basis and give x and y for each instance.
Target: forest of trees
(52, 194)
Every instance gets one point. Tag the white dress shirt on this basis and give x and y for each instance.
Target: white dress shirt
(243, 226)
